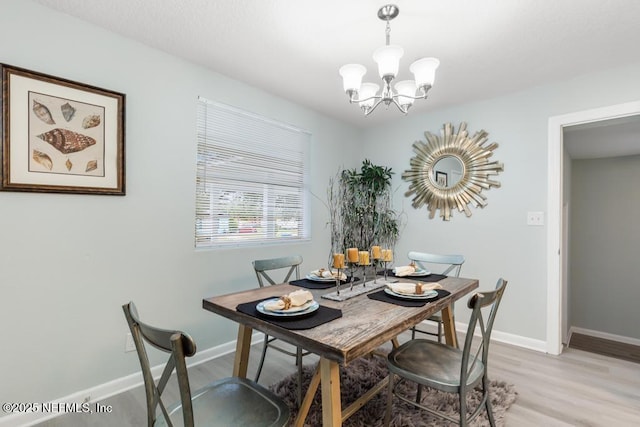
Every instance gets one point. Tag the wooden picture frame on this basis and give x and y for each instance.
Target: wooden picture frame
(60, 136)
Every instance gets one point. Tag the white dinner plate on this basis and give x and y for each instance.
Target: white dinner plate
(319, 279)
(315, 278)
(420, 272)
(307, 308)
(426, 295)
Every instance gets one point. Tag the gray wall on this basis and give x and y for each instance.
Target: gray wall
(68, 262)
(605, 242)
(496, 240)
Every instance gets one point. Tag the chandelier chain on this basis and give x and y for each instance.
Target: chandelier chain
(388, 33)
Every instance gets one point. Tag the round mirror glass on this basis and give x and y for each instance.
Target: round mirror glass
(447, 171)
(450, 170)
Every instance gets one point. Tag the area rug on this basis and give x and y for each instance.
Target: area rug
(362, 374)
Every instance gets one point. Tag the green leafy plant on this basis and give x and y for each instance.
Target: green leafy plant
(360, 208)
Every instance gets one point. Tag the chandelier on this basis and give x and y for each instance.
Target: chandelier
(388, 57)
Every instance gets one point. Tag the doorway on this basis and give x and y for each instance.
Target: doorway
(557, 211)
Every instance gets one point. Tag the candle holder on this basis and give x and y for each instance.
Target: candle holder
(385, 271)
(387, 256)
(374, 263)
(352, 260)
(364, 274)
(338, 277)
(363, 260)
(338, 263)
(352, 274)
(376, 254)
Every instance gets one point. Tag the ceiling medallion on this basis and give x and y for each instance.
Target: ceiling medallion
(450, 171)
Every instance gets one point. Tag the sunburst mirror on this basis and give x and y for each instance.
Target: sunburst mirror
(450, 171)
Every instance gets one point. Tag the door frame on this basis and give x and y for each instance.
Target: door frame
(556, 304)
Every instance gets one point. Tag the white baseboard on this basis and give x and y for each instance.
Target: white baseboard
(603, 335)
(104, 391)
(520, 341)
(504, 337)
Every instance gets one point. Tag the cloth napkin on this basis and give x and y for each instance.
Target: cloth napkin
(328, 274)
(297, 298)
(405, 270)
(410, 288)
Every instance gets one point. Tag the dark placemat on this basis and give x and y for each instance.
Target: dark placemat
(429, 278)
(385, 297)
(311, 284)
(321, 315)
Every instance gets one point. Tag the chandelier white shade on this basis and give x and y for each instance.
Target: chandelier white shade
(388, 57)
(388, 60)
(352, 76)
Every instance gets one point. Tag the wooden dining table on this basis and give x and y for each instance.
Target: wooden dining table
(365, 325)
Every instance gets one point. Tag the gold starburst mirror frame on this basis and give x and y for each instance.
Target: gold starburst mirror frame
(450, 171)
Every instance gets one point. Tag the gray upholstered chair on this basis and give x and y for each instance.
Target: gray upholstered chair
(227, 402)
(442, 367)
(448, 265)
(264, 269)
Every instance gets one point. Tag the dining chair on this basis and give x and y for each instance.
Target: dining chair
(448, 265)
(226, 402)
(265, 269)
(442, 367)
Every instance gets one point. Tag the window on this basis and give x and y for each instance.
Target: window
(250, 180)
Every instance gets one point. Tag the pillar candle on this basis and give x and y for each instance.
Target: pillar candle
(352, 254)
(338, 260)
(363, 258)
(387, 255)
(375, 252)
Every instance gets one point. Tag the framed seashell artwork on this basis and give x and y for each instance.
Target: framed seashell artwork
(60, 136)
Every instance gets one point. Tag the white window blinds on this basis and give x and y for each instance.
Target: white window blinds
(251, 178)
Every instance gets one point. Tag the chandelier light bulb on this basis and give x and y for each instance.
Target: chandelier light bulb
(352, 76)
(388, 60)
(367, 93)
(424, 71)
(406, 90)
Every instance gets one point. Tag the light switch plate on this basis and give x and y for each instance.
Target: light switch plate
(535, 218)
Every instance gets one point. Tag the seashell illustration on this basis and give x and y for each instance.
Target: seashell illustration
(68, 164)
(67, 111)
(91, 165)
(43, 113)
(67, 141)
(91, 121)
(42, 159)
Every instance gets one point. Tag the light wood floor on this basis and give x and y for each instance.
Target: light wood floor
(576, 388)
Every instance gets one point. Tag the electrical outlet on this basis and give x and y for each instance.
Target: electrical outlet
(535, 218)
(129, 345)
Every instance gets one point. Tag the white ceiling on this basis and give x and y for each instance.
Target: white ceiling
(293, 48)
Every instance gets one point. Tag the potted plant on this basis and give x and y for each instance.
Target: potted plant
(360, 209)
